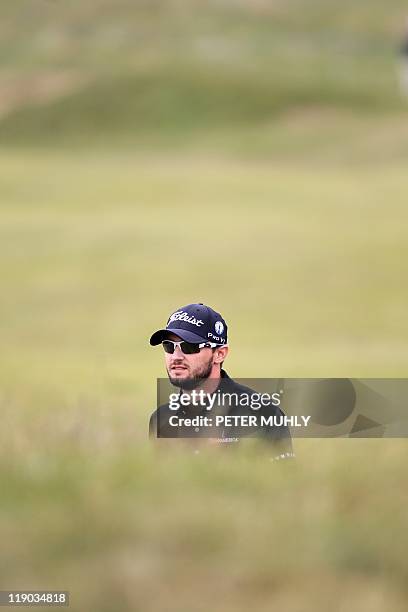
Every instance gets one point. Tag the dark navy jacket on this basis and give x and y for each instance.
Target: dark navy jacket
(278, 438)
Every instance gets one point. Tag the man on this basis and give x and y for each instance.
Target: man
(404, 62)
(195, 345)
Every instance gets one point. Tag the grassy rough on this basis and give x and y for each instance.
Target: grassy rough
(137, 72)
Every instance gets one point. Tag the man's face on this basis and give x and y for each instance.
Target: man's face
(188, 370)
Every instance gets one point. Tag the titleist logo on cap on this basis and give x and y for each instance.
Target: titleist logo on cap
(181, 315)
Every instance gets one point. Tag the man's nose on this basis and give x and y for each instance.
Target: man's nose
(178, 353)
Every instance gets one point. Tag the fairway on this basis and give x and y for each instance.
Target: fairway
(98, 248)
(308, 265)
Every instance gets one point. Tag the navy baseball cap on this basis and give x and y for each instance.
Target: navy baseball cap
(194, 323)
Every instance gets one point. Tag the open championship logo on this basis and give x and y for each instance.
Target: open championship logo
(219, 327)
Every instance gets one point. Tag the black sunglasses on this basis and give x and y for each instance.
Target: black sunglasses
(188, 348)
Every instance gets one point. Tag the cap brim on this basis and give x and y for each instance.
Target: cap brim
(162, 334)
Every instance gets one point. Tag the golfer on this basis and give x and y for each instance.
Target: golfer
(403, 64)
(195, 348)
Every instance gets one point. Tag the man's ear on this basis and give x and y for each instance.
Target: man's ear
(220, 354)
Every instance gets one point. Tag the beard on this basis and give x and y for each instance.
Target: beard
(191, 383)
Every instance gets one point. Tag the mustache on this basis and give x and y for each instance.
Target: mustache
(178, 362)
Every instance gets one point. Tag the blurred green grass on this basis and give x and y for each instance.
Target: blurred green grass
(97, 249)
(250, 156)
(152, 72)
(125, 531)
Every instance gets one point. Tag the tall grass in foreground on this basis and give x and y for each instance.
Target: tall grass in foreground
(126, 528)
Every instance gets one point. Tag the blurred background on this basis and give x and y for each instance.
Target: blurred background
(251, 155)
